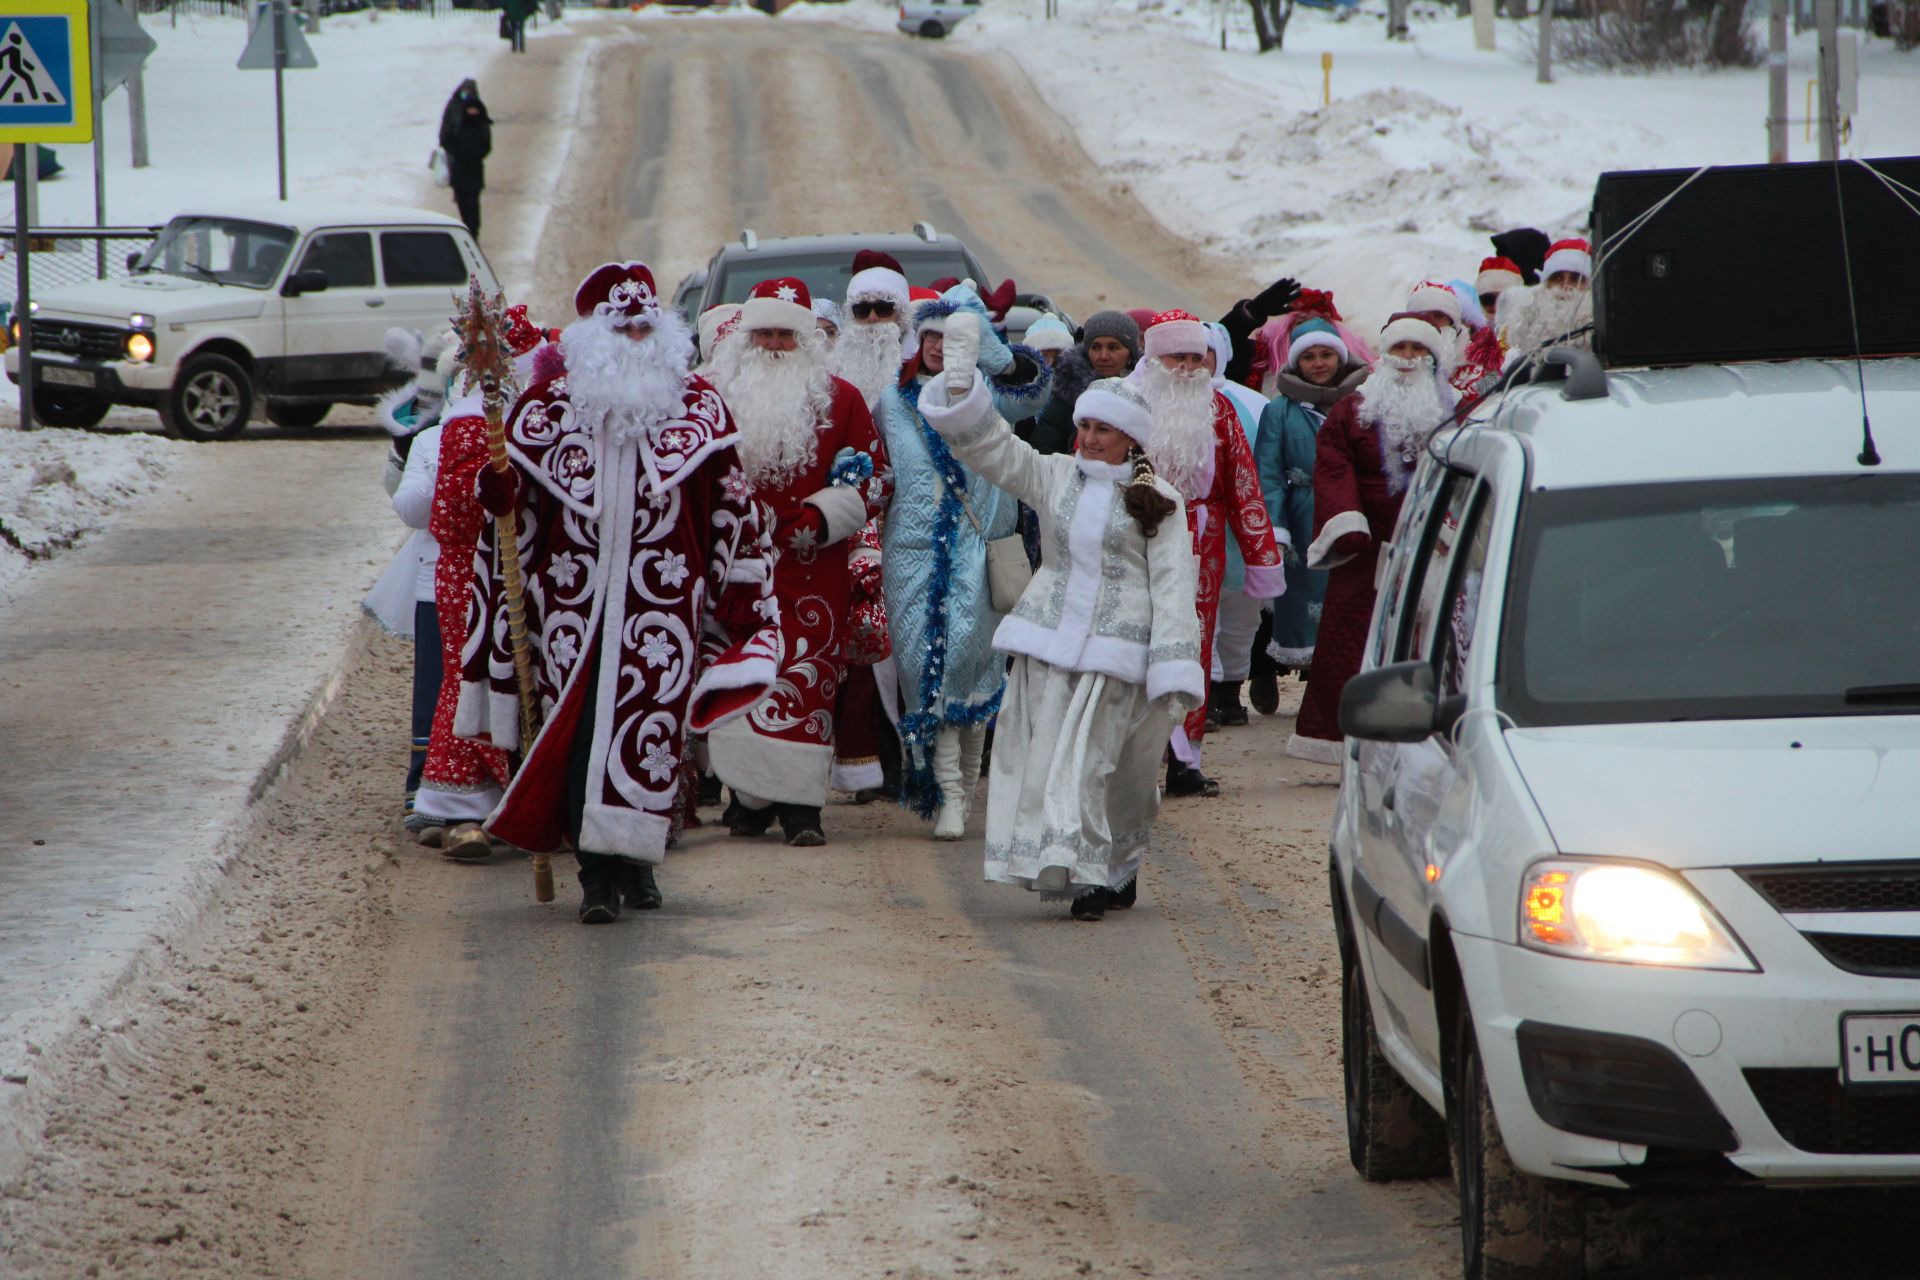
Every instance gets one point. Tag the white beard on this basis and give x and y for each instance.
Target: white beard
(868, 356)
(1404, 401)
(1538, 315)
(778, 400)
(615, 383)
(1183, 440)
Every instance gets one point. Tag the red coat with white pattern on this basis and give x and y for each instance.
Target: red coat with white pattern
(1233, 501)
(783, 748)
(644, 547)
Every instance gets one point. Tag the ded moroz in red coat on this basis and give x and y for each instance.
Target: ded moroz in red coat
(1232, 501)
(648, 545)
(1359, 482)
(782, 750)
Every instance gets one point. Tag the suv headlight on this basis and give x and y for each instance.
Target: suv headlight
(1625, 912)
(139, 348)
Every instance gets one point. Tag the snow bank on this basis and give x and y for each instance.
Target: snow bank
(56, 485)
(1427, 146)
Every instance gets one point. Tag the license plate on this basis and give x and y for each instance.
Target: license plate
(59, 376)
(1880, 1048)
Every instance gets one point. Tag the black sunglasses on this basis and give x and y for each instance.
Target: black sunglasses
(872, 310)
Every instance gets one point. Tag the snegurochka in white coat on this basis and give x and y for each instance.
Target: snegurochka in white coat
(1106, 650)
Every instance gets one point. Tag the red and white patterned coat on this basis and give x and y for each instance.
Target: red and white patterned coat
(1232, 501)
(648, 546)
(782, 750)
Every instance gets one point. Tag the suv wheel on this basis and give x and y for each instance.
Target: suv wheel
(68, 408)
(1391, 1131)
(932, 30)
(282, 413)
(1513, 1226)
(211, 399)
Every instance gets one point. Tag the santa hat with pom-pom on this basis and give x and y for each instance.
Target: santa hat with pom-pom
(1498, 274)
(1434, 295)
(877, 277)
(1409, 326)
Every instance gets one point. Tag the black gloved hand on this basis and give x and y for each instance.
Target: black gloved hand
(1274, 299)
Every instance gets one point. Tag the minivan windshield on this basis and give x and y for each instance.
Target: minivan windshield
(222, 250)
(1721, 600)
(826, 275)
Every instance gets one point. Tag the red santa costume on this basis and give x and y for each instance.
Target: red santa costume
(1476, 354)
(1363, 458)
(1199, 447)
(1557, 312)
(648, 590)
(815, 461)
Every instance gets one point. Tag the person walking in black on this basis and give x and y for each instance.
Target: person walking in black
(466, 135)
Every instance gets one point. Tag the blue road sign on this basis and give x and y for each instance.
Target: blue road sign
(46, 86)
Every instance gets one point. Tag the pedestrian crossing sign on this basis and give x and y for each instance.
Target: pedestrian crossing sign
(46, 71)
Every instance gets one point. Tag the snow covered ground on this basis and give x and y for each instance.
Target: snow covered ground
(1426, 147)
(360, 127)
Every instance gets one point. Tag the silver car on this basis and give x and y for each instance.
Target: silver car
(934, 18)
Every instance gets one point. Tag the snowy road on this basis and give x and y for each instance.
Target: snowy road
(850, 1061)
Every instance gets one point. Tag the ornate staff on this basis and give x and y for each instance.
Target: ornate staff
(482, 327)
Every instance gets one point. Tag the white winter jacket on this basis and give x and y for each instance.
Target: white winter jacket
(1106, 597)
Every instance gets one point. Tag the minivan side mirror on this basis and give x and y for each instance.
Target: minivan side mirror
(312, 280)
(1397, 703)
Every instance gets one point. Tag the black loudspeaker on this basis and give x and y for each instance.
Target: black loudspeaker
(1746, 263)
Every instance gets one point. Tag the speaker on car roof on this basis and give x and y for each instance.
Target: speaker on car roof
(1747, 263)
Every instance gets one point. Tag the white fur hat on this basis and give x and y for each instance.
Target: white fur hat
(1432, 295)
(1407, 327)
(1112, 401)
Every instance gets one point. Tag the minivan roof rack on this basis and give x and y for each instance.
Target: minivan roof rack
(925, 231)
(750, 240)
(1585, 379)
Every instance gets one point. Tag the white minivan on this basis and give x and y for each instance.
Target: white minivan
(1625, 863)
(231, 309)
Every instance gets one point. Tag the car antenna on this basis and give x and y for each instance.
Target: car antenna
(1869, 456)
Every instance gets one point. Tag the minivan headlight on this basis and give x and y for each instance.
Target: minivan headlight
(1625, 912)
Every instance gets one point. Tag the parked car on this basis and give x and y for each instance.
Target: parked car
(934, 18)
(1622, 866)
(825, 263)
(1029, 307)
(229, 309)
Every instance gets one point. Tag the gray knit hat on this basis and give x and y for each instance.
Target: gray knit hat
(1112, 324)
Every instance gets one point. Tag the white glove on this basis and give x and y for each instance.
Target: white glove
(961, 350)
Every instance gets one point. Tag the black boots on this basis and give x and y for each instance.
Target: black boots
(1124, 898)
(801, 825)
(742, 821)
(1183, 780)
(639, 888)
(599, 900)
(1092, 905)
(1223, 706)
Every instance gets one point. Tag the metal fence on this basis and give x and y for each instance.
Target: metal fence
(63, 256)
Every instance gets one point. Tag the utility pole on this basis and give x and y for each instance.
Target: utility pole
(1826, 16)
(1543, 65)
(99, 144)
(1777, 82)
(278, 16)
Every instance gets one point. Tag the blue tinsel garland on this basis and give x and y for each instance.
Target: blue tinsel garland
(919, 791)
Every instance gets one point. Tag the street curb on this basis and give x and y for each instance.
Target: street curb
(25, 1105)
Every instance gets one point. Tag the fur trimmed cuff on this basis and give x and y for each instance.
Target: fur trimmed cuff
(843, 509)
(960, 422)
(1320, 554)
(727, 690)
(1318, 750)
(1179, 677)
(1265, 581)
(1025, 379)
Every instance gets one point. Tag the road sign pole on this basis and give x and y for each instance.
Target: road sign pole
(279, 86)
(99, 146)
(23, 293)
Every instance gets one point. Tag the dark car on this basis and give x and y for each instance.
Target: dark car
(825, 264)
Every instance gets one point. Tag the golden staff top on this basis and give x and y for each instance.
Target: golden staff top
(481, 324)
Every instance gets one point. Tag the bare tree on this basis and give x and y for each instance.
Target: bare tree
(1270, 19)
(1397, 20)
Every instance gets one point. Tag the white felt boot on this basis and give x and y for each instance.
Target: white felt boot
(950, 823)
(973, 745)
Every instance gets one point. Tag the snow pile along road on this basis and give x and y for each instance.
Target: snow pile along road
(1426, 146)
(58, 485)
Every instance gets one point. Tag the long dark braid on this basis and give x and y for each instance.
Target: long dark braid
(1145, 503)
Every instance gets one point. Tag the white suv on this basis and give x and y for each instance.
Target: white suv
(1625, 866)
(229, 309)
